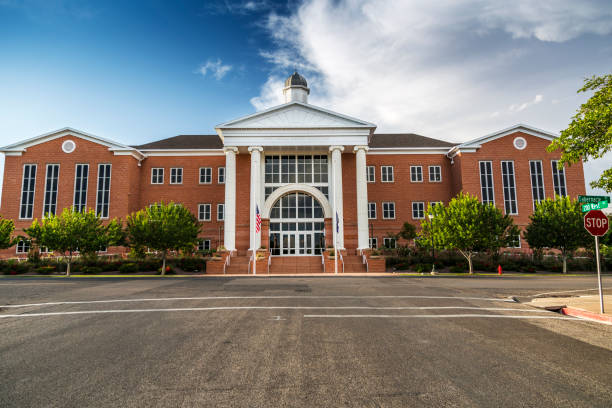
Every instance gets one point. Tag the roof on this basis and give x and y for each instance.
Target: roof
(530, 130)
(184, 142)
(296, 80)
(399, 140)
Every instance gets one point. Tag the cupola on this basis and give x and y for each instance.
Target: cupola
(296, 89)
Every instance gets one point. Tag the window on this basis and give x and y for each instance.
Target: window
(103, 248)
(516, 241)
(371, 174)
(418, 210)
(204, 245)
(50, 205)
(204, 212)
(389, 242)
(308, 169)
(23, 247)
(372, 211)
(486, 182)
(558, 179)
(509, 187)
(386, 174)
(416, 174)
(537, 181)
(176, 175)
(221, 175)
(435, 174)
(27, 191)
(205, 175)
(220, 212)
(434, 203)
(296, 205)
(80, 187)
(388, 211)
(157, 175)
(103, 196)
(373, 243)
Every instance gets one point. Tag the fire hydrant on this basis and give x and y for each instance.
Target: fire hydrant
(499, 269)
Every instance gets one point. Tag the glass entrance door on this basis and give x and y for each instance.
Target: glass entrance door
(288, 243)
(305, 244)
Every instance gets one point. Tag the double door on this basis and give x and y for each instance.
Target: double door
(296, 243)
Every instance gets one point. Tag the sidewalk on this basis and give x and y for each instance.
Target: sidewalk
(584, 306)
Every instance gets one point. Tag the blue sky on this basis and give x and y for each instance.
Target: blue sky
(140, 71)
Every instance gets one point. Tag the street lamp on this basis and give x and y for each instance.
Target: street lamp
(433, 254)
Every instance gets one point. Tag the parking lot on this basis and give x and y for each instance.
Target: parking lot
(363, 342)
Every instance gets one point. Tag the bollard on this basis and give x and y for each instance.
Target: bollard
(499, 270)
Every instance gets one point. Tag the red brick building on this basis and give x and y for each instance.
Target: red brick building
(297, 164)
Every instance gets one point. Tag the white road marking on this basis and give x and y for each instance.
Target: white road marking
(442, 316)
(192, 309)
(564, 291)
(80, 302)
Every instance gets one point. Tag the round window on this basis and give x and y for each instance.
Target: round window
(520, 143)
(68, 146)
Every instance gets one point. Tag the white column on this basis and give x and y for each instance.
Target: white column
(229, 224)
(362, 197)
(255, 241)
(337, 193)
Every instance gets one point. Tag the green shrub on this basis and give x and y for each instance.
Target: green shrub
(169, 270)
(45, 270)
(458, 269)
(91, 270)
(129, 267)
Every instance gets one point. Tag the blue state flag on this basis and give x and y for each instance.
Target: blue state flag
(337, 223)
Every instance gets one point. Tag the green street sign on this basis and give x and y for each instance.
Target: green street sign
(594, 206)
(589, 199)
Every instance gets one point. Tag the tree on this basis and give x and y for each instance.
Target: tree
(408, 231)
(558, 224)
(468, 226)
(163, 227)
(75, 231)
(7, 227)
(589, 135)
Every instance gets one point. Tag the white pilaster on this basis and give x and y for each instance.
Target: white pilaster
(362, 197)
(229, 224)
(337, 193)
(255, 241)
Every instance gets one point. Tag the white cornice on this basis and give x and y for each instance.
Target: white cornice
(183, 152)
(530, 130)
(407, 150)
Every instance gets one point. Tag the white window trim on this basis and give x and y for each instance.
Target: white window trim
(219, 175)
(383, 210)
(219, 205)
(203, 240)
(375, 239)
(375, 212)
(432, 203)
(382, 180)
(209, 212)
(501, 168)
(17, 251)
(531, 178)
(552, 169)
(45, 192)
(373, 174)
(75, 184)
(109, 188)
(492, 180)
(424, 209)
(200, 175)
(416, 181)
(429, 174)
(391, 240)
(33, 196)
(181, 172)
(163, 175)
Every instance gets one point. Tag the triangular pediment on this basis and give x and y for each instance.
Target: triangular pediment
(295, 115)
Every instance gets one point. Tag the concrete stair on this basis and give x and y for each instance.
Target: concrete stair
(239, 265)
(296, 264)
(353, 264)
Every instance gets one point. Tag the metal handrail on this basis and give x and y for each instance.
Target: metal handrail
(269, 263)
(341, 260)
(364, 259)
(323, 260)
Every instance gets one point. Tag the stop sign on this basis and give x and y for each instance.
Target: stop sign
(596, 222)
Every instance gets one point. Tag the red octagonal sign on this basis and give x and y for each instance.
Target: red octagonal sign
(596, 222)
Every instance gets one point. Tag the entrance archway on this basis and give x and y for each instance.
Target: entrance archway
(297, 225)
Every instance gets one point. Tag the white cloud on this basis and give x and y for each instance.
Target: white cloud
(216, 68)
(522, 106)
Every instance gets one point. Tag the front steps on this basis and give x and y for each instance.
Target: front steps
(353, 264)
(296, 264)
(239, 265)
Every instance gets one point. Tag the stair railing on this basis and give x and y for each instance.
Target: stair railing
(323, 260)
(269, 263)
(364, 259)
(341, 260)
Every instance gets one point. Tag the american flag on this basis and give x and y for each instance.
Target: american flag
(257, 219)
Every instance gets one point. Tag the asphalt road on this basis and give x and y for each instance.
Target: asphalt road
(298, 342)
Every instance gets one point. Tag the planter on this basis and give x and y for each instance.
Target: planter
(376, 264)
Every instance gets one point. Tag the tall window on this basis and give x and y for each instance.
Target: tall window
(537, 181)
(50, 205)
(486, 182)
(386, 174)
(558, 179)
(509, 187)
(176, 175)
(389, 242)
(157, 175)
(416, 174)
(204, 245)
(103, 196)
(23, 247)
(435, 174)
(221, 175)
(388, 210)
(371, 174)
(205, 175)
(27, 191)
(372, 211)
(203, 212)
(308, 169)
(220, 212)
(373, 242)
(418, 210)
(80, 187)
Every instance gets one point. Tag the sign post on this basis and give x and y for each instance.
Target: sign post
(597, 224)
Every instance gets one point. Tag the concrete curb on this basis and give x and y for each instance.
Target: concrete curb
(585, 314)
